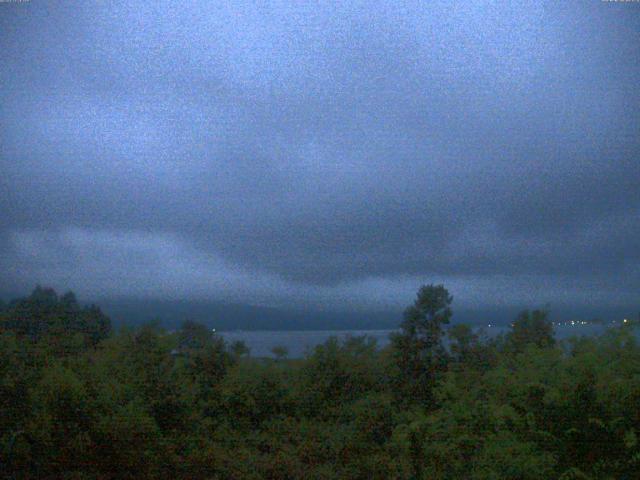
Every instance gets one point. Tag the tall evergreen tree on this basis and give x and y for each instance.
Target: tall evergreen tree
(419, 351)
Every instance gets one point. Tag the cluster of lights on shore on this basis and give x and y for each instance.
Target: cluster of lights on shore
(574, 323)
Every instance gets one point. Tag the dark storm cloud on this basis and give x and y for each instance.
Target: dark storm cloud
(268, 152)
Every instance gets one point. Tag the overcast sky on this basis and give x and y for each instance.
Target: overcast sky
(330, 154)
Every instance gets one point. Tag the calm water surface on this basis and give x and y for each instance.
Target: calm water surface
(299, 342)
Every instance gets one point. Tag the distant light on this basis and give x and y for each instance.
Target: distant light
(625, 320)
(213, 329)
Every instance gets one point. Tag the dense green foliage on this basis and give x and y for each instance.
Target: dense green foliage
(79, 401)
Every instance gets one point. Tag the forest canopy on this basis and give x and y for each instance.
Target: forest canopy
(442, 401)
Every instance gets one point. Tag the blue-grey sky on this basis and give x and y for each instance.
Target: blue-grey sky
(323, 153)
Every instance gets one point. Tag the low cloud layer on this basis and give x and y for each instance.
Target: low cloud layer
(326, 156)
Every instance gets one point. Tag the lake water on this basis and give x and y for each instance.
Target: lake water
(298, 343)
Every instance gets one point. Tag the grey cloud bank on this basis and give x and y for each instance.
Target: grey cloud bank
(322, 155)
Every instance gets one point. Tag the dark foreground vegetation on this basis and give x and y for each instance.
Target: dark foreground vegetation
(78, 400)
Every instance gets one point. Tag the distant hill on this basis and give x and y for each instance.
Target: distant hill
(226, 316)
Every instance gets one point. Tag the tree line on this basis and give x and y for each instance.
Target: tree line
(79, 400)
